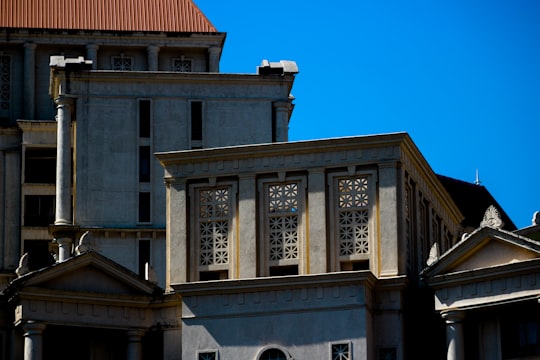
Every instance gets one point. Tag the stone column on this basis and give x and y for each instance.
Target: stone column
(247, 226)
(282, 110)
(388, 219)
(454, 335)
(29, 80)
(63, 214)
(33, 340)
(91, 54)
(152, 55)
(317, 225)
(176, 258)
(213, 59)
(134, 345)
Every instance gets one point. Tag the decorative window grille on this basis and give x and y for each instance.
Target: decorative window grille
(182, 65)
(353, 216)
(341, 351)
(122, 63)
(213, 224)
(208, 355)
(5, 83)
(282, 214)
(388, 354)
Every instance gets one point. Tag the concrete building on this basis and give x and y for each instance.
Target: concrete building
(254, 248)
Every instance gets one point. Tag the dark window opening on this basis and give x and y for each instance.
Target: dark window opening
(144, 207)
(284, 270)
(213, 275)
(274, 125)
(521, 336)
(39, 210)
(144, 257)
(144, 118)
(40, 165)
(39, 255)
(273, 354)
(196, 121)
(144, 163)
(355, 265)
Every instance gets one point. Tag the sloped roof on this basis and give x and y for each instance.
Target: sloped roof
(105, 15)
(473, 200)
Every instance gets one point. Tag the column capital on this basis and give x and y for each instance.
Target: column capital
(282, 105)
(92, 47)
(31, 328)
(453, 316)
(135, 335)
(153, 49)
(30, 45)
(63, 100)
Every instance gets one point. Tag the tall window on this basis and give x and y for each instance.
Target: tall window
(196, 114)
(144, 118)
(144, 207)
(144, 163)
(353, 201)
(5, 85)
(282, 231)
(213, 227)
(144, 256)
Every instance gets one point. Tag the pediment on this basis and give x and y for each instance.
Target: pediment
(88, 273)
(487, 247)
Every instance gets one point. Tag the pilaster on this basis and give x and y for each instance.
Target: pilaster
(282, 111)
(247, 226)
(152, 53)
(91, 54)
(214, 54)
(316, 220)
(177, 260)
(388, 219)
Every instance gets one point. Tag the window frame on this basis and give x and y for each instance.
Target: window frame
(349, 349)
(336, 259)
(264, 237)
(114, 58)
(195, 239)
(196, 143)
(209, 351)
(182, 58)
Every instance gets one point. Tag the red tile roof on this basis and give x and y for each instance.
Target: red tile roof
(111, 15)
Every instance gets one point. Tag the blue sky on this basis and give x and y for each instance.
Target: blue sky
(462, 77)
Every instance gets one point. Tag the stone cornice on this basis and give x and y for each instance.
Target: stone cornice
(275, 283)
(490, 273)
(114, 38)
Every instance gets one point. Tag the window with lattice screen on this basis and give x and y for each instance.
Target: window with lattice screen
(282, 233)
(213, 230)
(353, 201)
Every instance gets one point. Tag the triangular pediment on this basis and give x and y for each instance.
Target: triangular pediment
(88, 273)
(486, 247)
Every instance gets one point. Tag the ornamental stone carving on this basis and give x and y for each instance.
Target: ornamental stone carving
(492, 218)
